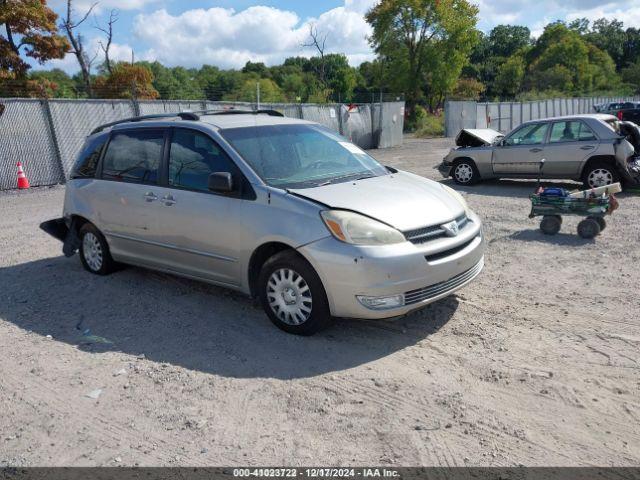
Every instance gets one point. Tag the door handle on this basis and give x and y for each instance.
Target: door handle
(535, 150)
(587, 147)
(150, 197)
(168, 200)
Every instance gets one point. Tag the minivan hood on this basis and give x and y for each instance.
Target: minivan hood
(403, 200)
(471, 137)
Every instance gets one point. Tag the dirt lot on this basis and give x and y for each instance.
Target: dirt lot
(534, 363)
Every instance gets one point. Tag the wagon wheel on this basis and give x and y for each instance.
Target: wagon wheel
(550, 224)
(588, 228)
(601, 221)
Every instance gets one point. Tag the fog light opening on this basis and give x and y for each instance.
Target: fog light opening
(381, 303)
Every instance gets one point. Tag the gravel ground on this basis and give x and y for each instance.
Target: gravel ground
(534, 363)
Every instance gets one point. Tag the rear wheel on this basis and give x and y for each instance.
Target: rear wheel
(94, 251)
(465, 172)
(600, 174)
(292, 295)
(550, 224)
(588, 228)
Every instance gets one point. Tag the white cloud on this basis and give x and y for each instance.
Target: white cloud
(229, 38)
(630, 15)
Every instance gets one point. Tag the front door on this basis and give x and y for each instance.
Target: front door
(521, 151)
(200, 229)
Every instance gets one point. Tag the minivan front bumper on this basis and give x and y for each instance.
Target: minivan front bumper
(375, 282)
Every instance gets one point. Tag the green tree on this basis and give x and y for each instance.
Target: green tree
(126, 81)
(510, 76)
(562, 59)
(506, 40)
(411, 35)
(247, 92)
(608, 36)
(631, 76)
(62, 84)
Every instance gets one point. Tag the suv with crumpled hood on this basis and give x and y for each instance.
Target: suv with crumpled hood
(281, 209)
(588, 147)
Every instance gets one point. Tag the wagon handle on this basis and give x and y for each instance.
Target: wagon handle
(540, 173)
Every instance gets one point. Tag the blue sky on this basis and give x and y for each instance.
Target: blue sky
(227, 33)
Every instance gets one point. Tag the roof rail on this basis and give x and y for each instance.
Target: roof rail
(141, 118)
(232, 111)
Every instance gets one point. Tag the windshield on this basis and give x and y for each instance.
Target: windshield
(301, 156)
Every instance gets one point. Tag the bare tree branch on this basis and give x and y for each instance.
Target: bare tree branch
(108, 31)
(76, 41)
(318, 41)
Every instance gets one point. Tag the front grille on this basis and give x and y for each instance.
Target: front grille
(451, 251)
(421, 294)
(424, 234)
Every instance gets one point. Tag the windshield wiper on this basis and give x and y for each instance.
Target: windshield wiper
(342, 177)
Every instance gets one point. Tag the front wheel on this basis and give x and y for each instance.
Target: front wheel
(550, 224)
(292, 295)
(465, 172)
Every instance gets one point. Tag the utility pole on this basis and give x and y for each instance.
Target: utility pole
(258, 95)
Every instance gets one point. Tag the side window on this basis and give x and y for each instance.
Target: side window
(87, 162)
(585, 134)
(570, 131)
(192, 157)
(528, 135)
(134, 156)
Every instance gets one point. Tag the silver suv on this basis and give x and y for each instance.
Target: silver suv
(593, 148)
(278, 208)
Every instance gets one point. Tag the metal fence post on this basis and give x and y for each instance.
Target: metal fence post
(380, 123)
(340, 125)
(54, 138)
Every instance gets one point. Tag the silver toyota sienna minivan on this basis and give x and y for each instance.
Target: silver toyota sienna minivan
(278, 208)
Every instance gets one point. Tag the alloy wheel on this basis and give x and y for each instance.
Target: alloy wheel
(463, 173)
(600, 177)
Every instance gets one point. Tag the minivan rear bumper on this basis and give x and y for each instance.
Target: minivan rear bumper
(400, 271)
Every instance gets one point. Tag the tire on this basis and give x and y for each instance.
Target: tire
(94, 251)
(550, 224)
(588, 228)
(601, 221)
(465, 172)
(292, 295)
(599, 174)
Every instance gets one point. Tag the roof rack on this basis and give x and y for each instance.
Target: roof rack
(142, 118)
(232, 111)
(188, 116)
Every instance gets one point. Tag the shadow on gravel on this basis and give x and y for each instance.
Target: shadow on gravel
(560, 238)
(194, 325)
(509, 188)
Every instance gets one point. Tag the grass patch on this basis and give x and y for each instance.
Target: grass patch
(430, 126)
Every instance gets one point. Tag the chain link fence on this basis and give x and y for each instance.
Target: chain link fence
(505, 116)
(46, 135)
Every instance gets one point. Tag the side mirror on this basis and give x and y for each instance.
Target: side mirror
(220, 182)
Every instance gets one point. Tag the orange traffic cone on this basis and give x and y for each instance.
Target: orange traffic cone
(22, 178)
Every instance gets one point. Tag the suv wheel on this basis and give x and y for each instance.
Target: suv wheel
(94, 251)
(600, 174)
(292, 294)
(465, 172)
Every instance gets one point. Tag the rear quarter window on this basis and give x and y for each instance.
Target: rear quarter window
(87, 161)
